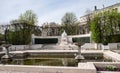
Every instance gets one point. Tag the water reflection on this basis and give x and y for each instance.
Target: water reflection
(54, 61)
(46, 62)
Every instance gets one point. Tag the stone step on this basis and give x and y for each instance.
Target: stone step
(112, 55)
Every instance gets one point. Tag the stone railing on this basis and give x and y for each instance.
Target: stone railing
(101, 46)
(24, 47)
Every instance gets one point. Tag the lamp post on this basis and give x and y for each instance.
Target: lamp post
(79, 57)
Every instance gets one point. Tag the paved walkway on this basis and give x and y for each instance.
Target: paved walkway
(112, 55)
(37, 69)
(57, 51)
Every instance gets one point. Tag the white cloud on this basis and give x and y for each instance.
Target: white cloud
(57, 14)
(48, 10)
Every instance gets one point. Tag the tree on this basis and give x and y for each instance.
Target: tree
(70, 22)
(24, 26)
(105, 27)
(29, 16)
(20, 34)
(1, 38)
(95, 28)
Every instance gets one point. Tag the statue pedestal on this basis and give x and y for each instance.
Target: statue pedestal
(79, 57)
(65, 43)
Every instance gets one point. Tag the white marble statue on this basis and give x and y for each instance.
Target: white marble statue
(64, 39)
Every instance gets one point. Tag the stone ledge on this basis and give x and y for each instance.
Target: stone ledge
(88, 67)
(112, 55)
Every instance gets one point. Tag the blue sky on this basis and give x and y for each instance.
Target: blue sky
(48, 10)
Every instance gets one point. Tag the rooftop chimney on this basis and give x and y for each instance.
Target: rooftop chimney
(95, 7)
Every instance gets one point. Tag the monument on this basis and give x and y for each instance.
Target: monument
(65, 42)
(64, 39)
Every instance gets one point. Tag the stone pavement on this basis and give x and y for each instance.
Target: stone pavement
(41, 69)
(112, 55)
(55, 51)
(88, 67)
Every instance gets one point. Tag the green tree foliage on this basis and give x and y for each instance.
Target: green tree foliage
(23, 27)
(1, 38)
(29, 16)
(70, 22)
(96, 30)
(105, 27)
(20, 34)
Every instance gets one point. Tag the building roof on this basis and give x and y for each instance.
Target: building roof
(115, 5)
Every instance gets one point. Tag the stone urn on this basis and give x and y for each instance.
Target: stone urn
(7, 57)
(79, 56)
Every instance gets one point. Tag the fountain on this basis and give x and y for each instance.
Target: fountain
(79, 57)
(7, 57)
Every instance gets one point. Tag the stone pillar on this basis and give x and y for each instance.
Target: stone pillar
(6, 50)
(70, 40)
(90, 37)
(96, 45)
(33, 39)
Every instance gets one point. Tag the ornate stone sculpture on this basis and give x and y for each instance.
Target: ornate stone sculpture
(7, 57)
(64, 39)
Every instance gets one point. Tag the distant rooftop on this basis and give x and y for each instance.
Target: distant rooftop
(115, 5)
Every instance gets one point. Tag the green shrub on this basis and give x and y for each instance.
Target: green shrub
(111, 68)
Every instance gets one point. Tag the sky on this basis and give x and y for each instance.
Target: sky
(48, 10)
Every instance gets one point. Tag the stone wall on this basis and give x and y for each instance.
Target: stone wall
(86, 46)
(101, 46)
(24, 47)
(89, 67)
(42, 69)
(114, 45)
(104, 64)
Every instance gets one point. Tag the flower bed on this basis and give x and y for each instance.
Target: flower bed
(108, 68)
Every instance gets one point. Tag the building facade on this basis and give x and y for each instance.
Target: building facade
(84, 20)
